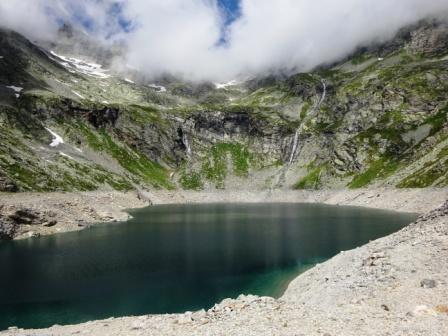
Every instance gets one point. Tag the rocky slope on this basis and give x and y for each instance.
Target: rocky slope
(378, 118)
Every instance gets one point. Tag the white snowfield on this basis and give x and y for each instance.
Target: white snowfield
(76, 65)
(66, 155)
(16, 89)
(57, 139)
(225, 85)
(158, 87)
(79, 95)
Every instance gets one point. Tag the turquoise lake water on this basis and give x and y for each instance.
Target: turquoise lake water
(176, 258)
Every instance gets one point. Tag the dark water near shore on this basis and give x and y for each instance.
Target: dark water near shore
(176, 258)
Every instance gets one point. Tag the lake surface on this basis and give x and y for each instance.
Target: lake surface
(176, 258)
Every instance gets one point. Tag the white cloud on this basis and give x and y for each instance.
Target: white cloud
(180, 36)
(175, 36)
(27, 17)
(301, 34)
(38, 19)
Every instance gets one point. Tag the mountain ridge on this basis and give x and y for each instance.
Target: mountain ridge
(382, 122)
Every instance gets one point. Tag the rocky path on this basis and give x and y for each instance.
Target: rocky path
(397, 285)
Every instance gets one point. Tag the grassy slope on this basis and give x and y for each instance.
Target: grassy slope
(372, 110)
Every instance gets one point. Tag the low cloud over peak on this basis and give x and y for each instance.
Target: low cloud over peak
(195, 38)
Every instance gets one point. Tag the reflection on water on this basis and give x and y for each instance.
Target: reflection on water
(175, 258)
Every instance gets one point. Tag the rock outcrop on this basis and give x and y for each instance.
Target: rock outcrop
(13, 219)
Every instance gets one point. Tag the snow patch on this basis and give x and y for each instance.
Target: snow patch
(57, 139)
(158, 87)
(129, 81)
(66, 155)
(1, 57)
(86, 68)
(226, 85)
(16, 89)
(76, 93)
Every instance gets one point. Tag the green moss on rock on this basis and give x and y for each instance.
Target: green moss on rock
(378, 169)
(312, 180)
(191, 181)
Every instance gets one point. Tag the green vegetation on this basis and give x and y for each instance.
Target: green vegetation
(374, 111)
(360, 58)
(59, 174)
(215, 167)
(130, 159)
(191, 181)
(305, 108)
(438, 121)
(143, 114)
(98, 175)
(380, 168)
(312, 180)
(433, 173)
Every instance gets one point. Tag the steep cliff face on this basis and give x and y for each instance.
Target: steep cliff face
(377, 118)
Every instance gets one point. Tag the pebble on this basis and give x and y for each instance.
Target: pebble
(427, 283)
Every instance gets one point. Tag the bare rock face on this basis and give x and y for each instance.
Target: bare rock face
(25, 216)
(12, 219)
(7, 185)
(430, 39)
(8, 228)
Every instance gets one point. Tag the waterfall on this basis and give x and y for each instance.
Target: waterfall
(324, 93)
(294, 146)
(295, 143)
(314, 110)
(186, 143)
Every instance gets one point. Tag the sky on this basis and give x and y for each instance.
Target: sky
(223, 39)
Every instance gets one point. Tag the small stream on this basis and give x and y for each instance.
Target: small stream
(280, 176)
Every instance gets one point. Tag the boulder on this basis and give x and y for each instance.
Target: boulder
(26, 216)
(7, 185)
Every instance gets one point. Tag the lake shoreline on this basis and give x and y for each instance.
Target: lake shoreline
(394, 285)
(51, 213)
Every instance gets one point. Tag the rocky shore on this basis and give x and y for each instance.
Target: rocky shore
(25, 215)
(396, 285)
